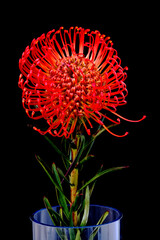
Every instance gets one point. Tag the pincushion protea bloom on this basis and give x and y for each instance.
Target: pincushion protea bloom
(71, 76)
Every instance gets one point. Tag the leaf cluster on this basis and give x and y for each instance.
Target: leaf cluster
(81, 205)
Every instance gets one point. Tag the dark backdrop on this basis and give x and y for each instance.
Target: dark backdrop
(128, 190)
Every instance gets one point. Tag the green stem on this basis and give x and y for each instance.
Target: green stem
(74, 181)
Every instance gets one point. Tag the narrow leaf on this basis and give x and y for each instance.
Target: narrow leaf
(99, 132)
(61, 214)
(57, 178)
(86, 208)
(63, 176)
(47, 172)
(80, 151)
(94, 183)
(90, 144)
(48, 207)
(103, 217)
(61, 196)
(55, 217)
(85, 159)
(45, 165)
(78, 235)
(100, 175)
(55, 147)
(101, 220)
(50, 177)
(71, 234)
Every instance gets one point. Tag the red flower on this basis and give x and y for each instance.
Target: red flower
(70, 76)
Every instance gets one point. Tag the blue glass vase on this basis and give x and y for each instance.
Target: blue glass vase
(43, 228)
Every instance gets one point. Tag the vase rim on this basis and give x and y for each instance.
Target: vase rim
(79, 227)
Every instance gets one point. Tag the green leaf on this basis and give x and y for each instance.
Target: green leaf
(85, 159)
(56, 175)
(86, 208)
(61, 196)
(94, 183)
(78, 205)
(75, 204)
(90, 143)
(61, 214)
(100, 130)
(100, 174)
(41, 162)
(103, 217)
(63, 176)
(81, 208)
(81, 147)
(78, 235)
(101, 220)
(56, 218)
(55, 148)
(71, 234)
(49, 209)
(79, 153)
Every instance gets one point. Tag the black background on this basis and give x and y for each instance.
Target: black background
(129, 190)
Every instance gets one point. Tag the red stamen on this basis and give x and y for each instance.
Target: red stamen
(114, 133)
(134, 121)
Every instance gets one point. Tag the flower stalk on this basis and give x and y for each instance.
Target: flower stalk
(74, 180)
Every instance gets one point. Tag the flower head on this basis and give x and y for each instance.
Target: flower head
(71, 76)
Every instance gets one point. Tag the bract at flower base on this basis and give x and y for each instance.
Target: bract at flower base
(43, 228)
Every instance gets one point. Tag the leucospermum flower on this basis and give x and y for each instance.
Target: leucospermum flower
(70, 77)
